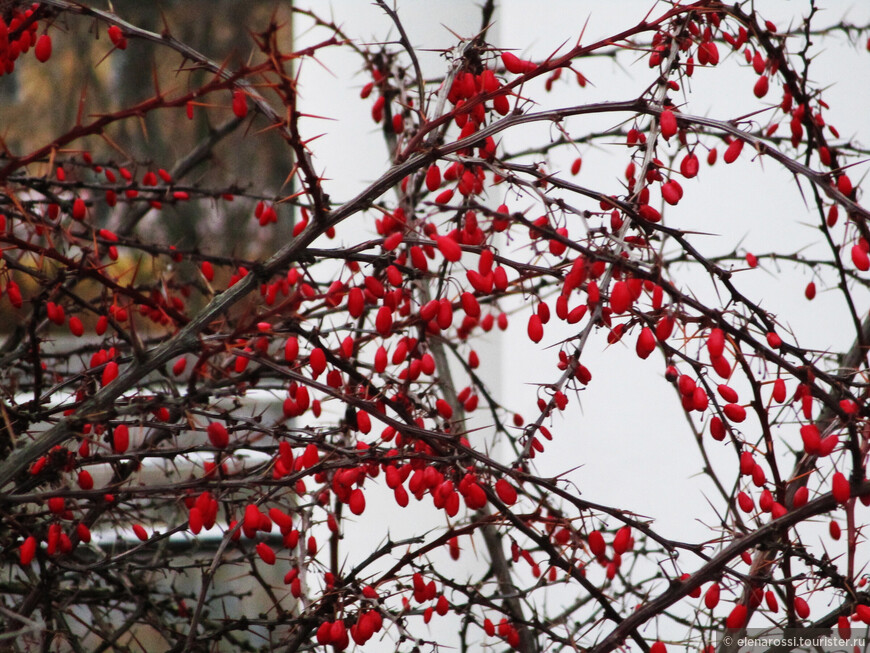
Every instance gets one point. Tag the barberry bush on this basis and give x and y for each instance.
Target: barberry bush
(248, 405)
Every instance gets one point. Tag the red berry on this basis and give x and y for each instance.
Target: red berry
(449, 248)
(266, 553)
(844, 184)
(770, 599)
(575, 166)
(110, 373)
(535, 328)
(76, 327)
(734, 412)
(317, 360)
(116, 36)
(800, 497)
(737, 618)
(444, 196)
(840, 488)
(649, 213)
(727, 393)
(711, 597)
(620, 298)
(85, 480)
(398, 123)
(733, 151)
(240, 103)
(27, 550)
(658, 647)
(622, 540)
(121, 438)
(218, 435)
(83, 532)
(779, 391)
(42, 50)
(844, 628)
(689, 166)
(811, 438)
(717, 429)
(433, 178)
(195, 520)
(860, 258)
(515, 65)
(291, 349)
(78, 209)
(646, 343)
(801, 608)
(672, 192)
(383, 321)
(357, 501)
(668, 123)
(596, 544)
(506, 492)
(711, 156)
(443, 409)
